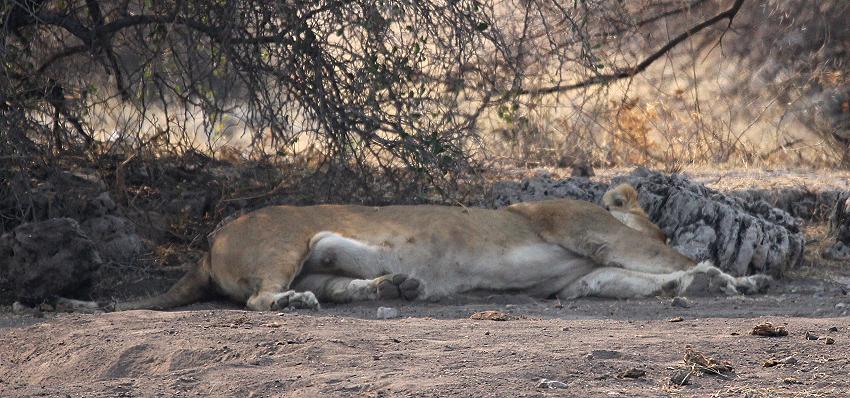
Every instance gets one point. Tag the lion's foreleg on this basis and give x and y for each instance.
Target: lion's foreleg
(701, 280)
(613, 282)
(271, 300)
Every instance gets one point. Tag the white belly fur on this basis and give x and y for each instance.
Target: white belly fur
(538, 268)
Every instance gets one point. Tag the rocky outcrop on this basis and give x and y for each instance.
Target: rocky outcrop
(839, 229)
(114, 236)
(740, 236)
(802, 203)
(60, 256)
(42, 260)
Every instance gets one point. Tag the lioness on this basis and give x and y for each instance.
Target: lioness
(622, 202)
(286, 256)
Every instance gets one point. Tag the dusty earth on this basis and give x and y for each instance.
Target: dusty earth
(434, 349)
(216, 349)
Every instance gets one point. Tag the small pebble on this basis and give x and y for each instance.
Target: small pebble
(546, 383)
(387, 313)
(768, 330)
(773, 362)
(633, 373)
(604, 354)
(21, 309)
(680, 302)
(811, 336)
(681, 377)
(833, 329)
(829, 341)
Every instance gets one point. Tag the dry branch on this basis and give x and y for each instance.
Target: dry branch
(624, 73)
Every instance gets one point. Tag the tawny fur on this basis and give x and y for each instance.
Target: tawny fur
(280, 256)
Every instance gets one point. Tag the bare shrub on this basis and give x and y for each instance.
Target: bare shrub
(404, 95)
(769, 88)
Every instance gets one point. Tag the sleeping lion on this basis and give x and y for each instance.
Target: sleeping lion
(289, 256)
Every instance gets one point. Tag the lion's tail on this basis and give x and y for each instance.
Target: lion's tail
(192, 287)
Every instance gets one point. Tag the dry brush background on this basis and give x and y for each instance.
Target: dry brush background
(147, 123)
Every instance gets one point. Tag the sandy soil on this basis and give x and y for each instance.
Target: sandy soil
(215, 349)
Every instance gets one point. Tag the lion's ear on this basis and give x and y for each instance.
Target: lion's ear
(530, 210)
(519, 207)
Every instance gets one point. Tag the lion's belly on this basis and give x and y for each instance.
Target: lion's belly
(539, 269)
(444, 268)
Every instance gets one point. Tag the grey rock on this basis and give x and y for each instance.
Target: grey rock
(20, 309)
(102, 205)
(552, 384)
(681, 377)
(506, 193)
(839, 229)
(633, 373)
(604, 354)
(838, 251)
(741, 237)
(194, 203)
(800, 203)
(47, 259)
(680, 302)
(115, 237)
(789, 360)
(387, 313)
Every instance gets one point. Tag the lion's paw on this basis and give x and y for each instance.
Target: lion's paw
(754, 284)
(706, 279)
(296, 300)
(393, 286)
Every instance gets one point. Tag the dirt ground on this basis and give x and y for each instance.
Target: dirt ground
(434, 349)
(216, 349)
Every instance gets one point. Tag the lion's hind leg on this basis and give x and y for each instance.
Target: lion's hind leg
(341, 289)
